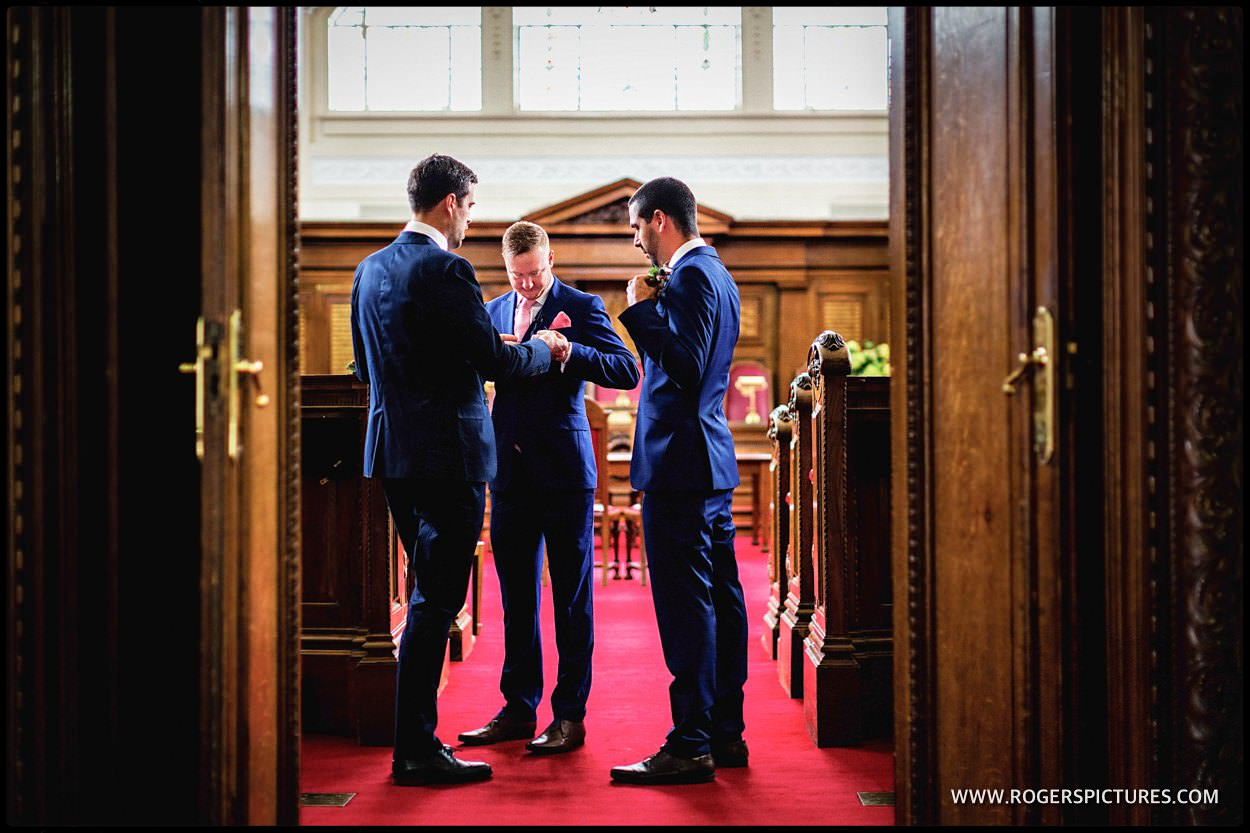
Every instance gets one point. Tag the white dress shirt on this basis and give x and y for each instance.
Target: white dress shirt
(429, 231)
(683, 250)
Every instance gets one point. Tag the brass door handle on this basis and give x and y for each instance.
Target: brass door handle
(203, 352)
(1042, 360)
(240, 367)
(1026, 363)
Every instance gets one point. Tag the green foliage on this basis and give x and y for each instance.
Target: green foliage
(870, 360)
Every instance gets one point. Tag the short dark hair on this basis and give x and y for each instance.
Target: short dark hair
(434, 178)
(673, 197)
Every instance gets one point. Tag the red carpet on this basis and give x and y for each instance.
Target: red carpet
(789, 781)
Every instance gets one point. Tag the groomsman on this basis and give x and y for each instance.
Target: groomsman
(544, 491)
(422, 341)
(684, 462)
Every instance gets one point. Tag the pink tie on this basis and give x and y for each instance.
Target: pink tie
(523, 317)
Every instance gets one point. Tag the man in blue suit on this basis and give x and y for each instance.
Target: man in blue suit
(684, 462)
(544, 490)
(423, 342)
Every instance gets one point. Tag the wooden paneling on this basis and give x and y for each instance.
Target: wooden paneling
(795, 279)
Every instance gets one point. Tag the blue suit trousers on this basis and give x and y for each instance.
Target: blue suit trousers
(701, 613)
(439, 523)
(520, 521)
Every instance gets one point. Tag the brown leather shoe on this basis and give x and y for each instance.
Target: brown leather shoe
(663, 768)
(499, 729)
(560, 736)
(729, 753)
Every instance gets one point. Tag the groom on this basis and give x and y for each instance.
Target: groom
(543, 491)
(684, 462)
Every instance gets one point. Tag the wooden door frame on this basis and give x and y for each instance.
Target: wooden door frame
(1170, 546)
(249, 714)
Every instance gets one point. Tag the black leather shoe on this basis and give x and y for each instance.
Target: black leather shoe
(730, 753)
(663, 768)
(441, 767)
(499, 729)
(560, 736)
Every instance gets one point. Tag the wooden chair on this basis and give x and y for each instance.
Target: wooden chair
(598, 419)
(613, 520)
(630, 518)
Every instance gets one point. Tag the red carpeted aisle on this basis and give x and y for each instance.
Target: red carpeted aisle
(789, 781)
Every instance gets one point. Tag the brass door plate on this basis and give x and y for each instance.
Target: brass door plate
(876, 799)
(325, 799)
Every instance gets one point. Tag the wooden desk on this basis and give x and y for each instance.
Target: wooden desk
(354, 598)
(346, 650)
(753, 469)
(750, 498)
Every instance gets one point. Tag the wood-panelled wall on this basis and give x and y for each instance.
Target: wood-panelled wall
(795, 279)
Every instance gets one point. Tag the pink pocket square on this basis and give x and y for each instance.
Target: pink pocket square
(561, 320)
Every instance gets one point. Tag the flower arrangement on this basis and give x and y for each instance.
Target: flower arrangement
(870, 360)
(658, 276)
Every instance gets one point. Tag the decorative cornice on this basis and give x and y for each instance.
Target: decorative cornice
(387, 171)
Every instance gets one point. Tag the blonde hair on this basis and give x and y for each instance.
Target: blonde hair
(522, 236)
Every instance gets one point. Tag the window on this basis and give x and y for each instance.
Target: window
(405, 58)
(829, 58)
(508, 61)
(627, 58)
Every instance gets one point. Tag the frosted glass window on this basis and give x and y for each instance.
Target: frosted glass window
(627, 58)
(552, 85)
(405, 58)
(830, 58)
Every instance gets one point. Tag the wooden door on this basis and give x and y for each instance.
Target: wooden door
(152, 595)
(978, 246)
(249, 579)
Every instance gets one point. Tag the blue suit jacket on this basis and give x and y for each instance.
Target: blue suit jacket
(423, 341)
(545, 415)
(687, 336)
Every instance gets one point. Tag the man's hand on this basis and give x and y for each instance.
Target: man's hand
(509, 338)
(560, 347)
(639, 290)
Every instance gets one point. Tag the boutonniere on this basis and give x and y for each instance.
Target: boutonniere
(658, 276)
